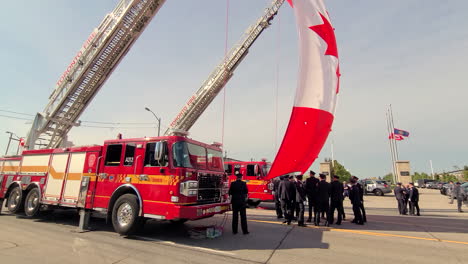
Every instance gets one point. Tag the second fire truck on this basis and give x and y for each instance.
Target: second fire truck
(254, 174)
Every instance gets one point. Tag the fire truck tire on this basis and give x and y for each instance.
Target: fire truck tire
(253, 203)
(125, 217)
(15, 200)
(178, 221)
(32, 203)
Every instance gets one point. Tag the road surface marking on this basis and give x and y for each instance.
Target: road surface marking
(419, 225)
(353, 231)
(185, 246)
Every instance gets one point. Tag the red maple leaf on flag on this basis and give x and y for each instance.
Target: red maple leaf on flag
(326, 32)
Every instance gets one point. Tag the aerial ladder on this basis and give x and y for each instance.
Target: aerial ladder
(197, 104)
(90, 68)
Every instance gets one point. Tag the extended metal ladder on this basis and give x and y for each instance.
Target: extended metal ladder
(221, 75)
(89, 70)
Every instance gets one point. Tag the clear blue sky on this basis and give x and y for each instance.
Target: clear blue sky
(412, 54)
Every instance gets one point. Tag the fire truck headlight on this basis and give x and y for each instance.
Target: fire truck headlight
(270, 186)
(189, 188)
(174, 199)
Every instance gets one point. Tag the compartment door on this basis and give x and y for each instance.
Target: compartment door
(73, 179)
(55, 178)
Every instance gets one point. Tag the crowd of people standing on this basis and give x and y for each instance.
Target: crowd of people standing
(407, 196)
(323, 199)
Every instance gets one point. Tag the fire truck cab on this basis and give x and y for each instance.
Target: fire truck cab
(167, 178)
(254, 174)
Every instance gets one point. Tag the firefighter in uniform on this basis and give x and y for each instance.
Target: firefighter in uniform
(336, 200)
(311, 190)
(279, 213)
(238, 192)
(355, 197)
(287, 194)
(300, 198)
(323, 202)
(361, 194)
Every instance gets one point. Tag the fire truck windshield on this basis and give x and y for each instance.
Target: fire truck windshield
(266, 169)
(190, 155)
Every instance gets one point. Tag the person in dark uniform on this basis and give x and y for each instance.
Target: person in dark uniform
(323, 202)
(300, 198)
(400, 197)
(406, 191)
(311, 190)
(414, 199)
(336, 200)
(355, 198)
(279, 213)
(361, 193)
(287, 194)
(238, 192)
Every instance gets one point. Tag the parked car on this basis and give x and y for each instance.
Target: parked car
(440, 185)
(421, 183)
(431, 185)
(445, 189)
(377, 187)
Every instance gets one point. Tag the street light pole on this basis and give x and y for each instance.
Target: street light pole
(9, 140)
(158, 119)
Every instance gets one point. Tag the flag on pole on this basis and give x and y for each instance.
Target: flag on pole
(403, 133)
(395, 136)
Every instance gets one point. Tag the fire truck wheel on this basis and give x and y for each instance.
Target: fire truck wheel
(15, 200)
(125, 215)
(31, 203)
(178, 221)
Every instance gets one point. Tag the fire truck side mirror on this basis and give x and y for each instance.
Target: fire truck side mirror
(158, 150)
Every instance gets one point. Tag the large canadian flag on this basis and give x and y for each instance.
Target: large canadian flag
(317, 88)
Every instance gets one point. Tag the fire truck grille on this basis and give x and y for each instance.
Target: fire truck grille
(209, 188)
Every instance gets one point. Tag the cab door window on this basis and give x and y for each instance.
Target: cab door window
(150, 160)
(252, 170)
(113, 154)
(129, 154)
(228, 168)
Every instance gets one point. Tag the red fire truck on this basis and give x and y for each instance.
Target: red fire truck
(167, 178)
(253, 173)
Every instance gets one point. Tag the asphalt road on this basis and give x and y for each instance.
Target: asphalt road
(440, 235)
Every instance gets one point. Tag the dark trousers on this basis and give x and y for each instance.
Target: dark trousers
(236, 209)
(323, 208)
(459, 203)
(279, 213)
(414, 205)
(312, 207)
(297, 207)
(363, 211)
(286, 207)
(405, 209)
(300, 215)
(401, 206)
(357, 214)
(338, 205)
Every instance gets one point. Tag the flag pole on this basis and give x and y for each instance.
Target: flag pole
(432, 169)
(393, 130)
(392, 154)
(332, 153)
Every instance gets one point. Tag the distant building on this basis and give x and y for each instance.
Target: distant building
(457, 173)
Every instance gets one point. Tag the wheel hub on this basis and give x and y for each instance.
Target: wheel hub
(124, 214)
(32, 202)
(14, 201)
